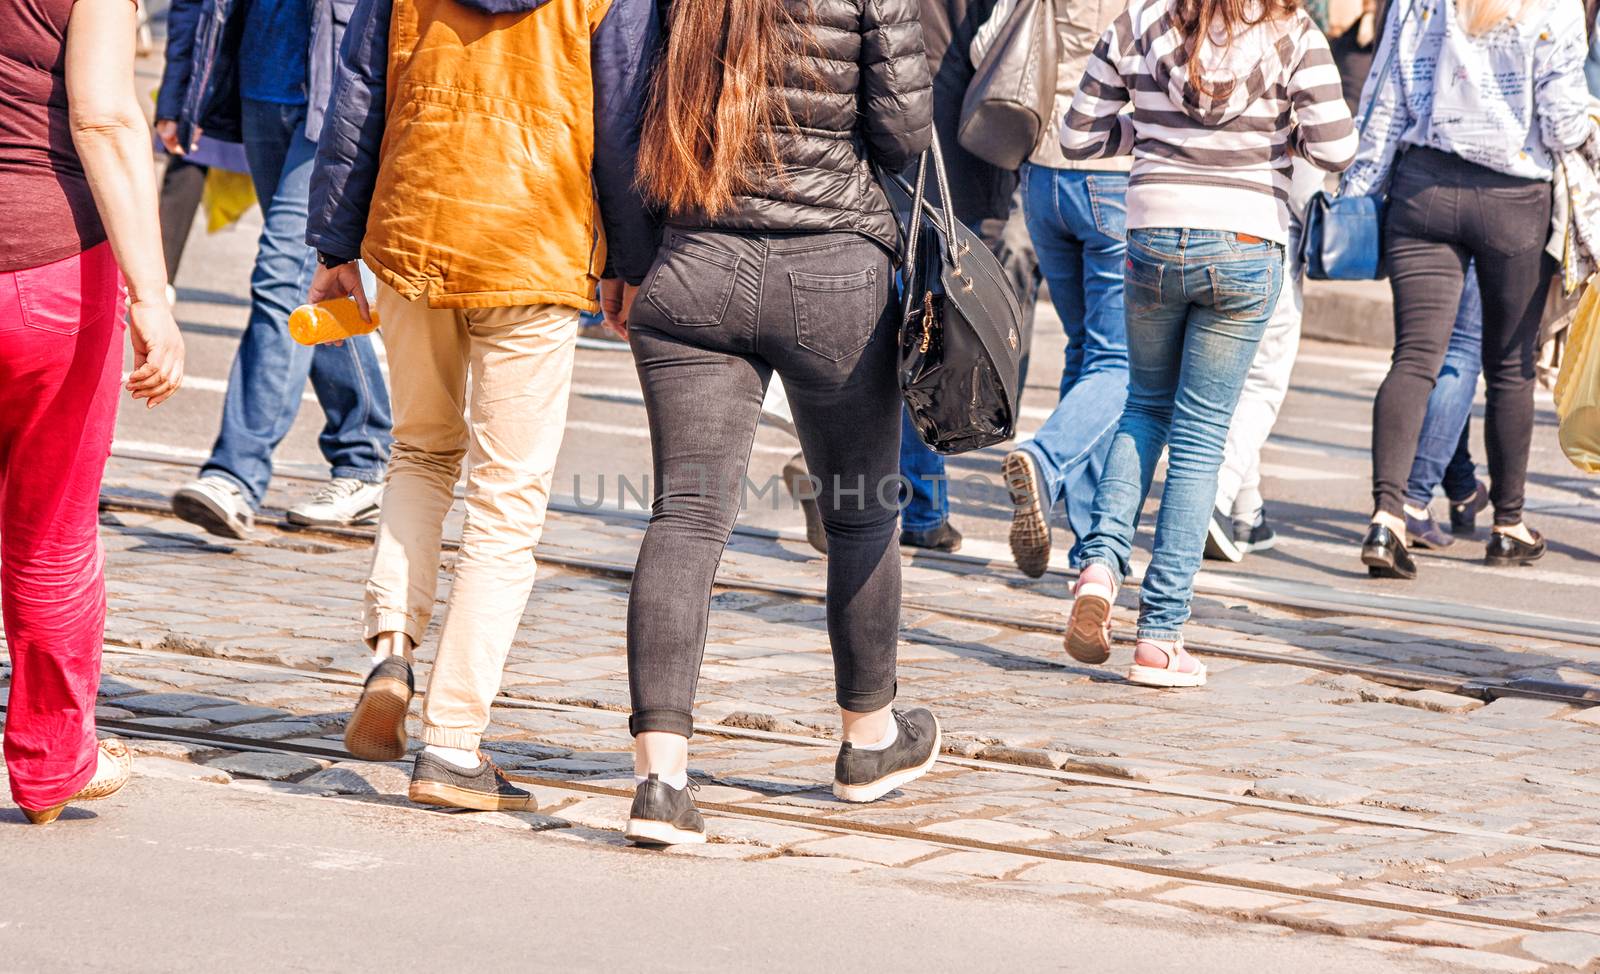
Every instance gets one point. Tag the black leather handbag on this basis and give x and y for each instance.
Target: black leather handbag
(960, 338)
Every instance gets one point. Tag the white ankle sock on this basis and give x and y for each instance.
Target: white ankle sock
(460, 757)
(889, 738)
(677, 782)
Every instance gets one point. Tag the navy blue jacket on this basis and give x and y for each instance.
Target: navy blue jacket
(621, 50)
(200, 86)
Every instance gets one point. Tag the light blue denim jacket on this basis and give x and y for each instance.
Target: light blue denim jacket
(1510, 100)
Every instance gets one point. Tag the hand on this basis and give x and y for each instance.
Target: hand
(339, 282)
(167, 132)
(157, 352)
(614, 305)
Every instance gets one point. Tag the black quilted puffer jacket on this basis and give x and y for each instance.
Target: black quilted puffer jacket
(866, 98)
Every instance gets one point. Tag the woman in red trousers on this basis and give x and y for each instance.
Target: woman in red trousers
(77, 202)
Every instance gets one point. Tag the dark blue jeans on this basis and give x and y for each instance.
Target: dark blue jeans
(1444, 453)
(1198, 303)
(270, 370)
(1077, 220)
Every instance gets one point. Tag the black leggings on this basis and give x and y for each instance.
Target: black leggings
(718, 315)
(1444, 211)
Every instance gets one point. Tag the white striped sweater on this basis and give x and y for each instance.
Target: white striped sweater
(1213, 155)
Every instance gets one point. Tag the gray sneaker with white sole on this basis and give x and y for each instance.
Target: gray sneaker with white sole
(217, 505)
(664, 815)
(863, 776)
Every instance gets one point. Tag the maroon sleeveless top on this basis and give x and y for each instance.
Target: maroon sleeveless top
(46, 210)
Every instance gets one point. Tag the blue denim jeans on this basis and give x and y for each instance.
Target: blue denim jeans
(1078, 223)
(270, 370)
(1198, 304)
(1444, 453)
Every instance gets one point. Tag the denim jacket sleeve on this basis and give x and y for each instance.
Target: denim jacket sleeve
(1383, 115)
(182, 17)
(346, 169)
(622, 53)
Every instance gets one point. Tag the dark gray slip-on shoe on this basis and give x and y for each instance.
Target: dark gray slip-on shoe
(435, 781)
(864, 776)
(664, 815)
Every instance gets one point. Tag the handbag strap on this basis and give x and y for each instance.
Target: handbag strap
(1388, 64)
(921, 209)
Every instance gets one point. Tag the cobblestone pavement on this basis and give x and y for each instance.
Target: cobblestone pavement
(1297, 789)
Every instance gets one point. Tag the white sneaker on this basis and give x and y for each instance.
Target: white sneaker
(217, 505)
(341, 502)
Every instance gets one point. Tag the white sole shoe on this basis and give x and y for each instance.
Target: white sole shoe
(1087, 640)
(660, 833)
(1155, 676)
(874, 790)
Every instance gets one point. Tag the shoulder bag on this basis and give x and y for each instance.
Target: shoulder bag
(1013, 92)
(1342, 239)
(960, 335)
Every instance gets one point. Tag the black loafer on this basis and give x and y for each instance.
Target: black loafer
(1464, 514)
(1385, 555)
(1504, 551)
(945, 537)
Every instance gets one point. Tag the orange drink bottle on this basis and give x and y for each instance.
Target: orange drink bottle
(329, 321)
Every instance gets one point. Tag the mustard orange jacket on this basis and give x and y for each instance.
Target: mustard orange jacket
(481, 153)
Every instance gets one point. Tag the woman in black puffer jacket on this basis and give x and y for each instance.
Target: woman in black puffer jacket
(778, 256)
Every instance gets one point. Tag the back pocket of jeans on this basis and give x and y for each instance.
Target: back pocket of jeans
(1239, 291)
(836, 316)
(693, 283)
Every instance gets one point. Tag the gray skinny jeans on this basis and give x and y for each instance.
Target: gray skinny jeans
(718, 314)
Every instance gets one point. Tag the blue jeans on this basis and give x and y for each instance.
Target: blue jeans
(1078, 223)
(1198, 304)
(1444, 453)
(270, 370)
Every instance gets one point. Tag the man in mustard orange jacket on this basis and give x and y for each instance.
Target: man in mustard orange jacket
(478, 155)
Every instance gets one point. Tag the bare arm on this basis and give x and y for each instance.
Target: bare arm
(108, 130)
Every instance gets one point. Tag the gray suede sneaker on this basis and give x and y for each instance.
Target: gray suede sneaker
(377, 729)
(864, 776)
(484, 789)
(664, 815)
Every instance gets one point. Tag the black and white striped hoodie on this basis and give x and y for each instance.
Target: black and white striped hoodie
(1213, 155)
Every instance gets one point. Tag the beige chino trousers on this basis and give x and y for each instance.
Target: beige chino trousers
(514, 367)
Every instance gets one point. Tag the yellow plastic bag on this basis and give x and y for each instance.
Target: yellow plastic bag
(1577, 392)
(227, 197)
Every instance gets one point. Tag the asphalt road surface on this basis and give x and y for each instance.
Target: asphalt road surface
(189, 876)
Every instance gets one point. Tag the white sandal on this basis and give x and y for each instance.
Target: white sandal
(1169, 676)
(1088, 638)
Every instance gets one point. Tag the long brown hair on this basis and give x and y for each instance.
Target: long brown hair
(709, 130)
(1199, 19)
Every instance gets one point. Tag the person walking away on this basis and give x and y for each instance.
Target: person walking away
(485, 250)
(1239, 521)
(1077, 215)
(1222, 91)
(77, 219)
(778, 257)
(265, 79)
(1444, 448)
(1462, 190)
(183, 183)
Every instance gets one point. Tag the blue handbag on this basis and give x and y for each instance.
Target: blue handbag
(1342, 239)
